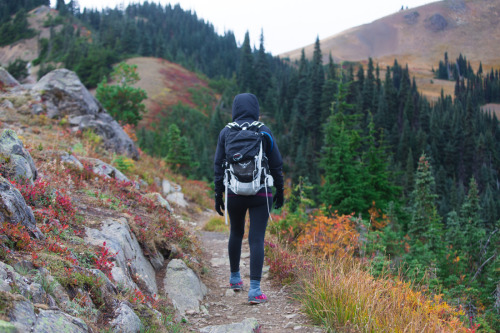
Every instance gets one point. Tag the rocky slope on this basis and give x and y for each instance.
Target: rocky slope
(92, 240)
(85, 247)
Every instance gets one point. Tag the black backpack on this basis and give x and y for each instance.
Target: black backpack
(247, 170)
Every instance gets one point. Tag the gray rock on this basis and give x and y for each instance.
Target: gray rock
(15, 158)
(64, 94)
(177, 198)
(249, 325)
(183, 287)
(166, 187)
(104, 169)
(11, 278)
(119, 239)
(22, 315)
(436, 23)
(157, 260)
(70, 159)
(37, 109)
(13, 208)
(6, 79)
(38, 295)
(7, 104)
(49, 321)
(56, 289)
(155, 196)
(6, 327)
(64, 89)
(126, 321)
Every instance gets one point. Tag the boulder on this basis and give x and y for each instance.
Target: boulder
(6, 79)
(248, 325)
(166, 187)
(104, 169)
(126, 321)
(15, 159)
(130, 260)
(156, 197)
(183, 287)
(70, 159)
(177, 198)
(64, 94)
(49, 321)
(22, 315)
(13, 208)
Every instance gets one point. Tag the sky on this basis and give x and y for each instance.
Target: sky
(287, 25)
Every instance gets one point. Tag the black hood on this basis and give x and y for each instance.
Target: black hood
(245, 108)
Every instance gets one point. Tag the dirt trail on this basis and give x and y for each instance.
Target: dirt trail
(224, 306)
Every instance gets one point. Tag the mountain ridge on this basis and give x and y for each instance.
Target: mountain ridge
(420, 36)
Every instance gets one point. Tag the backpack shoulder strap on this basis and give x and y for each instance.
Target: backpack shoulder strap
(233, 125)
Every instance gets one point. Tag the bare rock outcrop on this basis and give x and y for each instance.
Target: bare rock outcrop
(6, 79)
(130, 262)
(16, 162)
(14, 210)
(63, 94)
(184, 287)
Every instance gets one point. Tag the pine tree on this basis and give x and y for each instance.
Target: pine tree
(262, 71)
(472, 225)
(123, 101)
(246, 71)
(316, 81)
(344, 176)
(425, 225)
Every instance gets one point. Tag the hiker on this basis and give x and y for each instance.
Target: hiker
(257, 198)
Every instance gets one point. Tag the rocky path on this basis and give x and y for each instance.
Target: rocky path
(222, 306)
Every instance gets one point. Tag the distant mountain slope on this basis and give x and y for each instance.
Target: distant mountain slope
(28, 49)
(420, 36)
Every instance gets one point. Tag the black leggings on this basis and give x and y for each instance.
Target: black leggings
(237, 207)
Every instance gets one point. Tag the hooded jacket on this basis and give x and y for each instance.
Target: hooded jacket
(246, 110)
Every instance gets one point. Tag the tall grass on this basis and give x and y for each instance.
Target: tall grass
(340, 294)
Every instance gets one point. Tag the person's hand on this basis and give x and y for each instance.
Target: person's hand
(219, 204)
(278, 199)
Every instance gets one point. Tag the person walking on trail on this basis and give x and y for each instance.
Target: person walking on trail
(245, 137)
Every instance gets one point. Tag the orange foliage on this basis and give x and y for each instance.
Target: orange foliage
(328, 236)
(378, 220)
(130, 130)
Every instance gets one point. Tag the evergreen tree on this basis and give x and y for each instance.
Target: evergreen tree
(246, 71)
(180, 153)
(123, 101)
(425, 225)
(262, 71)
(313, 114)
(472, 225)
(343, 190)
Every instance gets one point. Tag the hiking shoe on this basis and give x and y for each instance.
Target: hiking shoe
(237, 286)
(257, 299)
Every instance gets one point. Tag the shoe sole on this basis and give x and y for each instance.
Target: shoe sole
(257, 301)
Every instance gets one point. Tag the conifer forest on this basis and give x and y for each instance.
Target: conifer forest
(421, 177)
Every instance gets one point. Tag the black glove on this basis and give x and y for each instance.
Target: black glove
(278, 199)
(219, 203)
